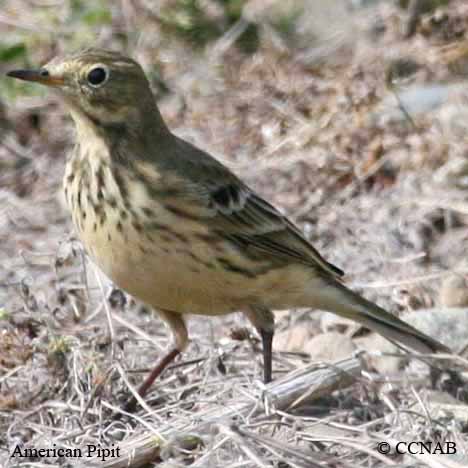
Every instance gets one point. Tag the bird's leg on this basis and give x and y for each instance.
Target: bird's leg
(267, 342)
(179, 330)
(263, 320)
(154, 374)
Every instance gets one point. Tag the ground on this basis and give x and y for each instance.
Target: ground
(357, 131)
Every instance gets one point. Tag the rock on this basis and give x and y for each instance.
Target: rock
(454, 173)
(333, 322)
(454, 292)
(449, 326)
(442, 405)
(293, 339)
(330, 346)
(443, 103)
(436, 398)
(383, 364)
(416, 100)
(453, 116)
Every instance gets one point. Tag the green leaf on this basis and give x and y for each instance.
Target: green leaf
(9, 53)
(97, 16)
(4, 315)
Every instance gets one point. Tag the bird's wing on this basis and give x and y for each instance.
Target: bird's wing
(248, 220)
(233, 210)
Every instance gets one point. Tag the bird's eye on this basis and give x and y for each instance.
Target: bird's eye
(97, 76)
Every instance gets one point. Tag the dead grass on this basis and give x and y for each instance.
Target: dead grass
(379, 199)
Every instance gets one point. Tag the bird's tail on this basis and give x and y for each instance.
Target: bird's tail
(342, 301)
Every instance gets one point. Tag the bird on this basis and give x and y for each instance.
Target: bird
(176, 228)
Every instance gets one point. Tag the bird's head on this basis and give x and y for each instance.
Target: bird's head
(102, 88)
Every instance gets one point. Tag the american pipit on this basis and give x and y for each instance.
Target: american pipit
(176, 228)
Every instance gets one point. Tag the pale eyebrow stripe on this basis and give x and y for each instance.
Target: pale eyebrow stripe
(124, 64)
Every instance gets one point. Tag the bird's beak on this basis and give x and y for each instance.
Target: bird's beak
(39, 76)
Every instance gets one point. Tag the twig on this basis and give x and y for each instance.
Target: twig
(303, 385)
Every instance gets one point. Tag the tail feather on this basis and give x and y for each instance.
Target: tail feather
(351, 305)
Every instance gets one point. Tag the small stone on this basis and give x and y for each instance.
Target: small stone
(333, 322)
(454, 292)
(330, 346)
(449, 326)
(385, 365)
(294, 339)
